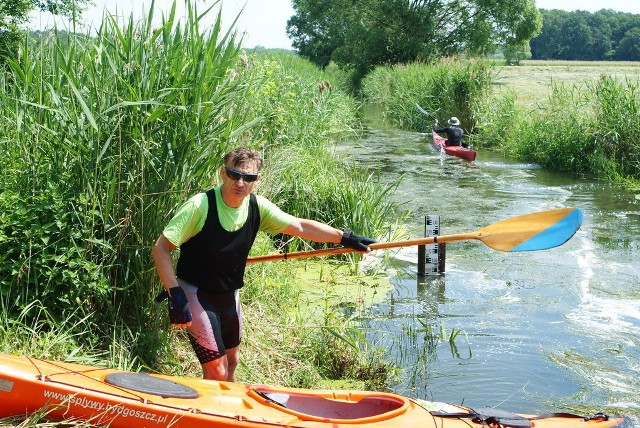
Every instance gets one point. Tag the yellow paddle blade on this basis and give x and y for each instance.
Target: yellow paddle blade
(529, 232)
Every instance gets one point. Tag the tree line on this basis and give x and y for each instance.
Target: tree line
(580, 35)
(359, 35)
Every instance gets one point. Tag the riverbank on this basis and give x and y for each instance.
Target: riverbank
(314, 340)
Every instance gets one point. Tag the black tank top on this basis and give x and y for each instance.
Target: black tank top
(215, 259)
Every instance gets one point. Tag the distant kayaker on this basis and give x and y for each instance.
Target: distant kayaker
(453, 131)
(215, 231)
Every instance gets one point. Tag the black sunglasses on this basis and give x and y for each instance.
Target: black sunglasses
(237, 175)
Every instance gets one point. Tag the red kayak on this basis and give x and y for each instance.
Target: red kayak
(459, 151)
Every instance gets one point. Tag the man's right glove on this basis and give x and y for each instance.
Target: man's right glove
(179, 311)
(357, 242)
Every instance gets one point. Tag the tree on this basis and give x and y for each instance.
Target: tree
(513, 53)
(14, 13)
(601, 47)
(577, 33)
(361, 34)
(582, 35)
(629, 47)
(549, 44)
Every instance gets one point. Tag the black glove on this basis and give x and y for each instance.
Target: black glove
(357, 242)
(179, 311)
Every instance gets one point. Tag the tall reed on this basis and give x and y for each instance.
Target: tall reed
(308, 181)
(449, 88)
(103, 136)
(616, 130)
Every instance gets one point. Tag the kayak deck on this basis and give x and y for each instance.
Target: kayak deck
(104, 396)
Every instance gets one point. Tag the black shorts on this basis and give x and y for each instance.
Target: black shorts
(216, 322)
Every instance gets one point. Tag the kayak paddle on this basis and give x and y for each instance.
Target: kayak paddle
(421, 110)
(529, 232)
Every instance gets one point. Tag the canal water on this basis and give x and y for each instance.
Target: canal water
(542, 331)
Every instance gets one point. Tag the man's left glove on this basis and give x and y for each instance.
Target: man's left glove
(357, 242)
(179, 311)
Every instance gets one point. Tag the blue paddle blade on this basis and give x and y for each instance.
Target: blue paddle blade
(555, 235)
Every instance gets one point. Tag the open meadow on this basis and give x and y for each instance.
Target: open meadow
(532, 80)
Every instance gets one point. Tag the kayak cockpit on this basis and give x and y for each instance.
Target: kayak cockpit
(317, 406)
(324, 406)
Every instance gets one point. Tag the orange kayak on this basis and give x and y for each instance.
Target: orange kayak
(459, 151)
(120, 399)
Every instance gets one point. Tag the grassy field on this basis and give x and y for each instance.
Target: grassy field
(532, 80)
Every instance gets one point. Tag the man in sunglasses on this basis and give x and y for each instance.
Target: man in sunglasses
(215, 231)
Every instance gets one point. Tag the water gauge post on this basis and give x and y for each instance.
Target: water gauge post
(431, 257)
